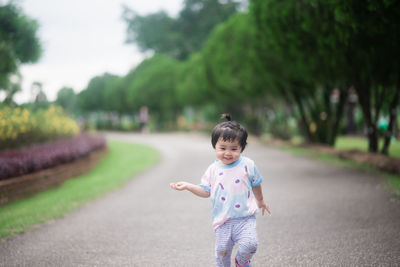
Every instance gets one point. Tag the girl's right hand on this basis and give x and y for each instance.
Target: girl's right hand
(179, 186)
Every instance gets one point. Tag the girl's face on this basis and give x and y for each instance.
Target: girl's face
(227, 151)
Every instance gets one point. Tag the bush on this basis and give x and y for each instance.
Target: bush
(281, 125)
(254, 125)
(23, 161)
(21, 126)
(111, 121)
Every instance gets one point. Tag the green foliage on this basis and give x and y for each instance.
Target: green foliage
(235, 71)
(180, 37)
(11, 86)
(67, 99)
(371, 38)
(22, 126)
(231, 62)
(111, 121)
(122, 162)
(281, 125)
(114, 96)
(294, 40)
(154, 84)
(321, 45)
(97, 95)
(152, 32)
(18, 42)
(298, 58)
(193, 88)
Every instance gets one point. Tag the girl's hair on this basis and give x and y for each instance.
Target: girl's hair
(229, 130)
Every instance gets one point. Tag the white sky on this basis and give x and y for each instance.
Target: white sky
(82, 39)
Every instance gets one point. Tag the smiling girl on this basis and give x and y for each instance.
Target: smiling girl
(234, 185)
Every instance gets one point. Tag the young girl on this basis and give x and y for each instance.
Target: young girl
(234, 185)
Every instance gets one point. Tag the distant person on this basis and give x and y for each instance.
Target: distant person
(234, 185)
(143, 118)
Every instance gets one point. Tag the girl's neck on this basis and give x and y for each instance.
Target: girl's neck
(233, 164)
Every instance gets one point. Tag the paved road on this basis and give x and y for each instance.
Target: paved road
(323, 215)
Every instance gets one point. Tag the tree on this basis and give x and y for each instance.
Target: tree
(230, 58)
(153, 32)
(235, 78)
(371, 37)
(338, 43)
(37, 93)
(67, 99)
(18, 44)
(295, 42)
(94, 98)
(115, 96)
(153, 84)
(11, 87)
(180, 37)
(193, 87)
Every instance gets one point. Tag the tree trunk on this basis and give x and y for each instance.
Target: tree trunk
(351, 127)
(303, 115)
(373, 139)
(364, 97)
(323, 112)
(393, 117)
(344, 93)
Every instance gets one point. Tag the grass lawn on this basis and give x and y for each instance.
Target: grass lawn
(361, 143)
(122, 162)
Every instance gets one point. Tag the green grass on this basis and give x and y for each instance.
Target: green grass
(392, 182)
(361, 143)
(120, 164)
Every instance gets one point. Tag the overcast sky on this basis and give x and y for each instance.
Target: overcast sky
(83, 39)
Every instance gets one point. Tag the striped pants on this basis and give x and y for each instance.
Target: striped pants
(240, 231)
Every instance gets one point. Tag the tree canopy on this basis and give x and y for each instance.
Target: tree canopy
(18, 43)
(324, 45)
(95, 97)
(66, 98)
(153, 83)
(177, 37)
(306, 54)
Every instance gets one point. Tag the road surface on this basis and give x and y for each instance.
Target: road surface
(322, 215)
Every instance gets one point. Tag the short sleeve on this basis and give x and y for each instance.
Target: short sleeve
(255, 177)
(205, 180)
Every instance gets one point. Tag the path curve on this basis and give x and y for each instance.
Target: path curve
(322, 215)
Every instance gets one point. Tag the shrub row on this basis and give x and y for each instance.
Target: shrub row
(22, 126)
(18, 162)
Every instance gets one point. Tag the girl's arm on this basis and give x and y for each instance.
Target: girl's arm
(257, 190)
(195, 189)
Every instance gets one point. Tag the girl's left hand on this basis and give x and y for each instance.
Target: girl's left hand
(263, 206)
